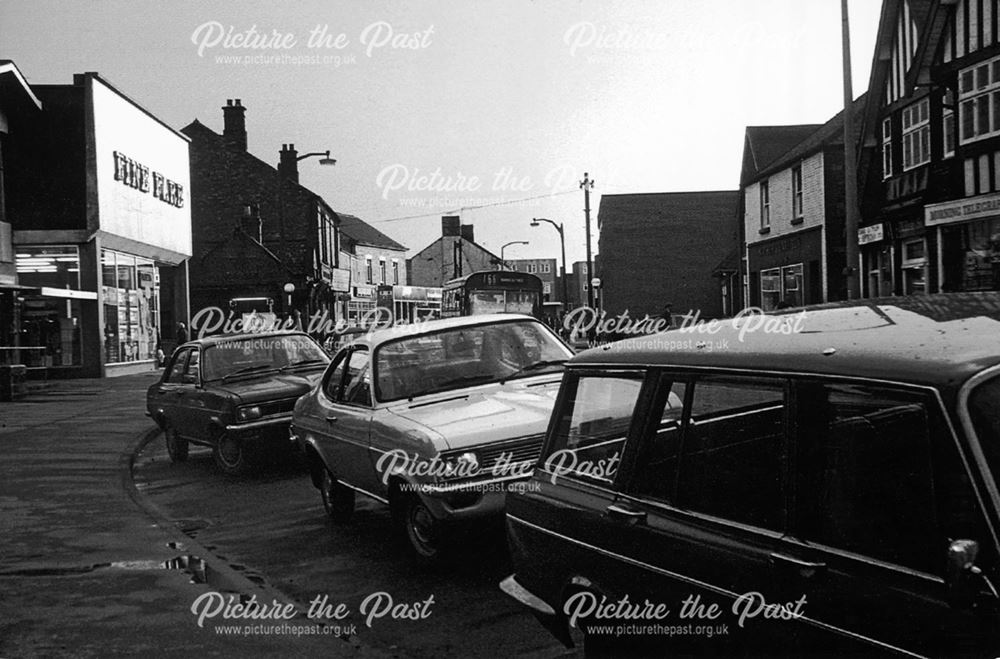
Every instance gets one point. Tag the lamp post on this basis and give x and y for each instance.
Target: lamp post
(289, 288)
(325, 160)
(587, 185)
(562, 244)
(503, 262)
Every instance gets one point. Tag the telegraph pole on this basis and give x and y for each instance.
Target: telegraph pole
(586, 184)
(850, 166)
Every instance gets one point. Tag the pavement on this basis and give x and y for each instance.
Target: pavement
(90, 568)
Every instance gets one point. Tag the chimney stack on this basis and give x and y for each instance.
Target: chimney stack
(288, 163)
(449, 225)
(468, 232)
(234, 124)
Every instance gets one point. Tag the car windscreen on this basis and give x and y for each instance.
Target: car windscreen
(464, 357)
(984, 409)
(260, 354)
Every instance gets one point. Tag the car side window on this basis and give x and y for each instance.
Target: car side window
(192, 369)
(656, 469)
(880, 476)
(593, 425)
(332, 386)
(731, 453)
(176, 369)
(357, 383)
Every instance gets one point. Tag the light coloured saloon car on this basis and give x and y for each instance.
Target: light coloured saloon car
(436, 420)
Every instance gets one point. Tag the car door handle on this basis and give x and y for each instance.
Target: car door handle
(617, 512)
(805, 568)
(331, 419)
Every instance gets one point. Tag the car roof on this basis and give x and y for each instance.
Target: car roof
(378, 337)
(216, 339)
(938, 340)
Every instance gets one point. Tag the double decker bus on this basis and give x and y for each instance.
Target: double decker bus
(492, 291)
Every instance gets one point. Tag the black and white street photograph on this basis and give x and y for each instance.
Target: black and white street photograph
(521, 328)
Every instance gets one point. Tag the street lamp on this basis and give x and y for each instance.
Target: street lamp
(503, 263)
(562, 244)
(289, 289)
(325, 160)
(595, 284)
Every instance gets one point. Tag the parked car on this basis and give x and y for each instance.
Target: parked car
(829, 483)
(434, 419)
(234, 393)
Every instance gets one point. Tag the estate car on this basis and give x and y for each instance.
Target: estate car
(234, 394)
(434, 419)
(828, 485)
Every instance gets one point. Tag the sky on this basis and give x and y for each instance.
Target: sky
(489, 109)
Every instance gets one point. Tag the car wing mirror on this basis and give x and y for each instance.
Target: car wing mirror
(962, 577)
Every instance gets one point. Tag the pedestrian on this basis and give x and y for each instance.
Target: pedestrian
(668, 316)
(182, 334)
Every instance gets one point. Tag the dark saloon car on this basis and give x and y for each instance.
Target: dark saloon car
(234, 393)
(827, 486)
(435, 419)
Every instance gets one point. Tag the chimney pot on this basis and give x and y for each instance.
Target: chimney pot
(234, 124)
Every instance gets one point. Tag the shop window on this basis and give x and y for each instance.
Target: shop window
(781, 287)
(130, 297)
(914, 266)
(770, 288)
(50, 327)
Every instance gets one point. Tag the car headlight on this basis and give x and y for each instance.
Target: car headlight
(248, 413)
(465, 465)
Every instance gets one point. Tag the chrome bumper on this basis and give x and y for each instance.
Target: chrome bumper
(266, 422)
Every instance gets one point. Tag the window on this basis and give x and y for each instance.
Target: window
(369, 278)
(731, 452)
(948, 125)
(886, 148)
(656, 466)
(878, 477)
(333, 383)
(916, 134)
(770, 288)
(395, 272)
(177, 367)
(979, 101)
(381, 271)
(765, 205)
(796, 192)
(532, 268)
(593, 425)
(781, 287)
(357, 379)
(546, 268)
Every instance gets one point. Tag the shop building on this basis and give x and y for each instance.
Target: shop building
(661, 248)
(262, 243)
(377, 266)
(793, 219)
(544, 269)
(97, 195)
(931, 167)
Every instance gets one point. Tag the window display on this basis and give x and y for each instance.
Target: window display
(131, 298)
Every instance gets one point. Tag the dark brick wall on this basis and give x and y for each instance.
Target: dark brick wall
(661, 248)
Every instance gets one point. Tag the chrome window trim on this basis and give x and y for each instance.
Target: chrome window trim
(707, 586)
(977, 452)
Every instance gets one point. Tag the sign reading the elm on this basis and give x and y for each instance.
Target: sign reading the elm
(136, 175)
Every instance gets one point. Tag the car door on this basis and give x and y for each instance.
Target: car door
(165, 396)
(882, 491)
(705, 497)
(195, 405)
(345, 408)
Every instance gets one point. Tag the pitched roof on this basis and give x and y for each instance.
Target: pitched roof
(763, 144)
(13, 85)
(365, 234)
(832, 132)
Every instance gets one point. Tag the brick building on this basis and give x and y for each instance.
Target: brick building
(373, 258)
(661, 248)
(454, 254)
(544, 269)
(792, 211)
(256, 231)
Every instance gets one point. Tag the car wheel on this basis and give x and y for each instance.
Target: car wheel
(424, 534)
(230, 454)
(177, 446)
(338, 500)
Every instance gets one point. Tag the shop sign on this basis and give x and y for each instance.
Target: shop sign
(363, 292)
(871, 234)
(137, 176)
(963, 210)
(340, 279)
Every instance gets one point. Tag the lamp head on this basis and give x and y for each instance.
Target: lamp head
(327, 160)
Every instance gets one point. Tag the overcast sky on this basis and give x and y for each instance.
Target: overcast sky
(501, 104)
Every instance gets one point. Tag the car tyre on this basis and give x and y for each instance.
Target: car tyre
(338, 500)
(424, 535)
(177, 446)
(230, 454)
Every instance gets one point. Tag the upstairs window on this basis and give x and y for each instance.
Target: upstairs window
(797, 192)
(886, 148)
(979, 101)
(395, 272)
(368, 271)
(765, 205)
(916, 134)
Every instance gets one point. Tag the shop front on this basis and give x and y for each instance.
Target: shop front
(787, 271)
(968, 242)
